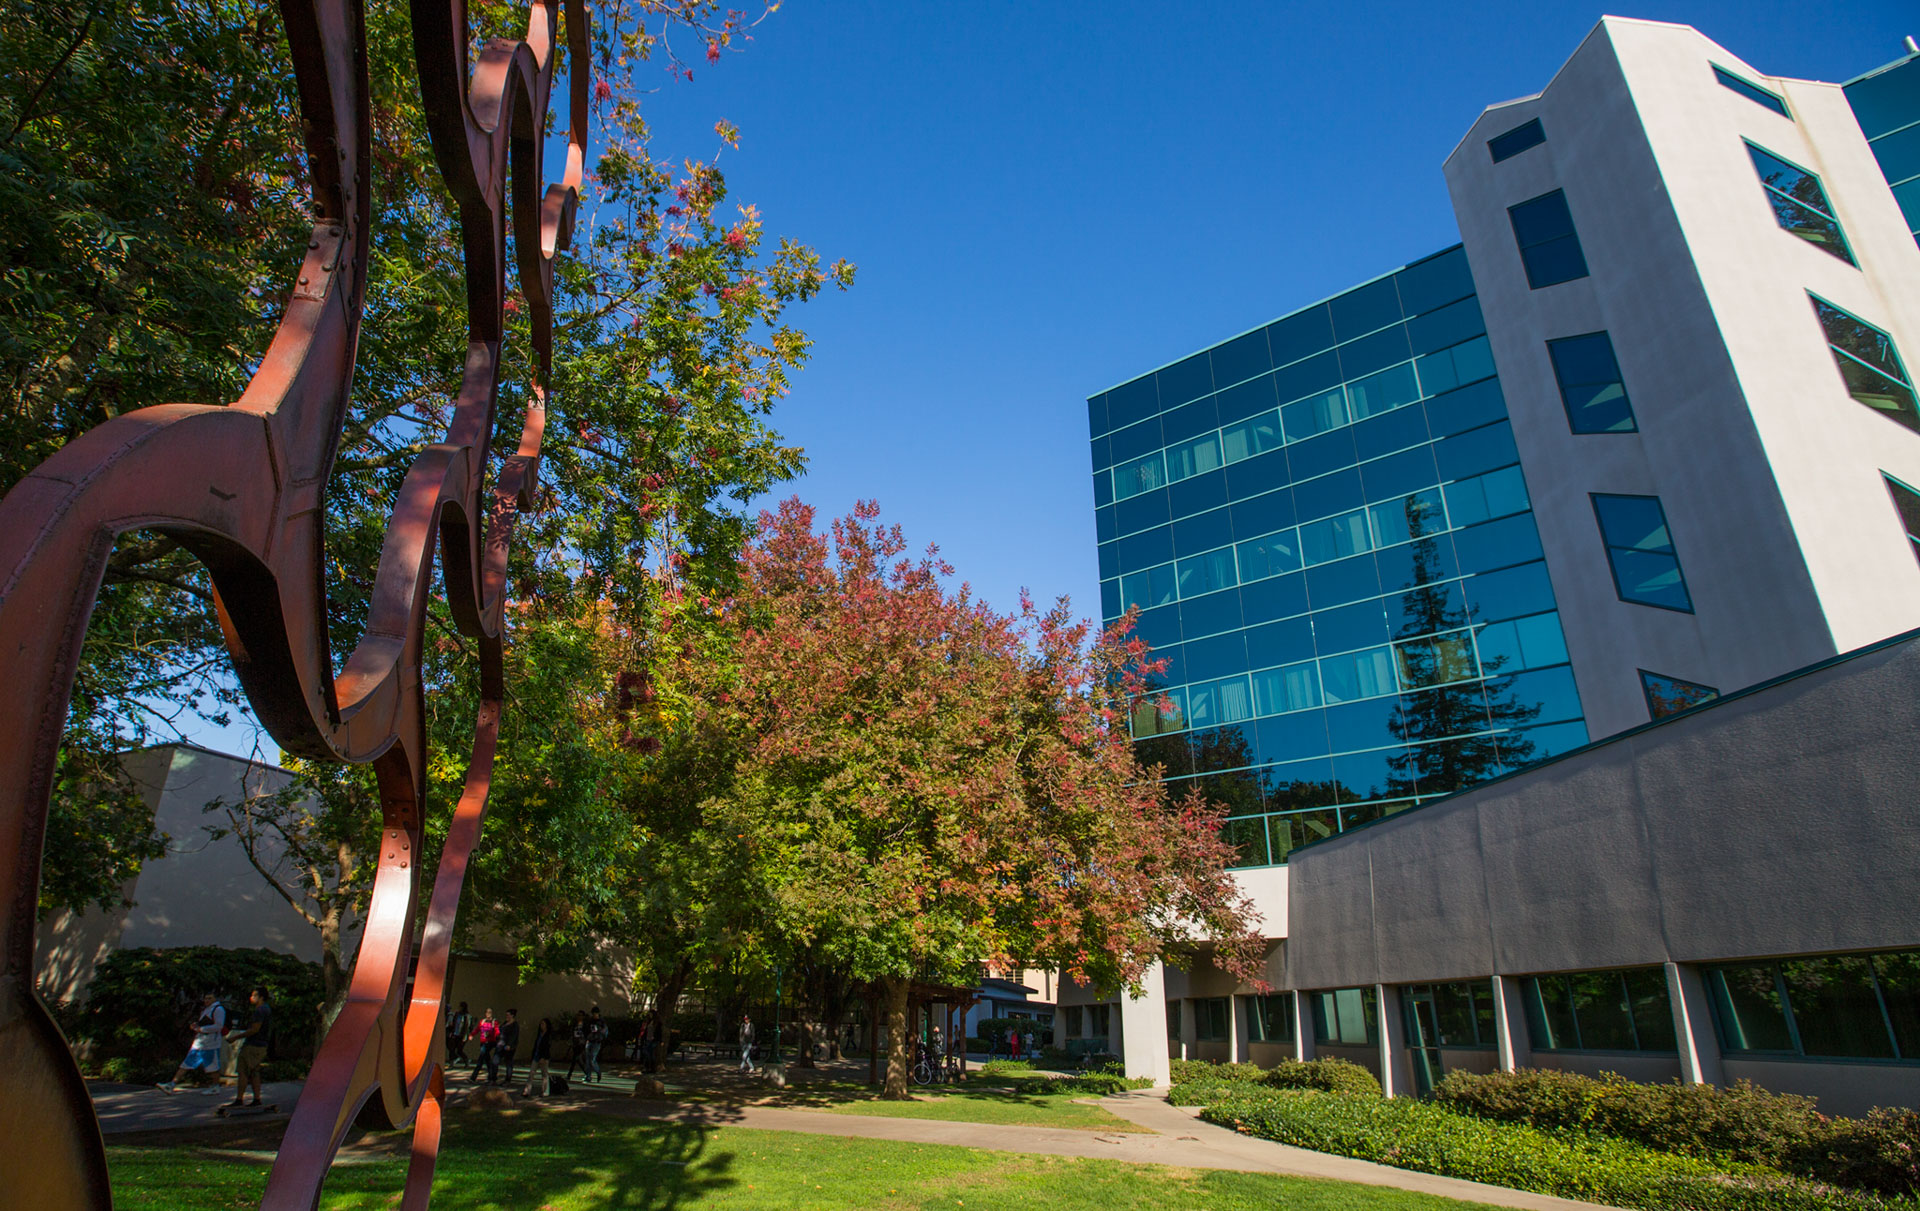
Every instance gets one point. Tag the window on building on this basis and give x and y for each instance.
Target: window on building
(1295, 687)
(1462, 1011)
(1195, 457)
(1159, 714)
(1148, 587)
(1215, 702)
(1752, 92)
(1869, 364)
(1515, 141)
(1549, 247)
(1271, 1018)
(1140, 475)
(1670, 695)
(1212, 1020)
(1251, 437)
(1344, 1017)
(1206, 572)
(1099, 1020)
(1906, 502)
(1173, 1019)
(1356, 675)
(1646, 569)
(1270, 555)
(1799, 203)
(1600, 1011)
(1857, 1007)
(1073, 1021)
(1590, 386)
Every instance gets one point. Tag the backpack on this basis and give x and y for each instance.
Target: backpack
(556, 1085)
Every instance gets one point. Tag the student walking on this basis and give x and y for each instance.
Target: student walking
(459, 1025)
(539, 1063)
(204, 1055)
(579, 1056)
(591, 1072)
(509, 1043)
(254, 1038)
(746, 1043)
(487, 1034)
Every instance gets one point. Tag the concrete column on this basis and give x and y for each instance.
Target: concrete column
(1302, 1026)
(1511, 1041)
(1143, 1028)
(1241, 1050)
(1190, 1028)
(1389, 1029)
(1693, 1026)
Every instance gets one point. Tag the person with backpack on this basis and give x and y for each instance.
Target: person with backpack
(591, 1072)
(509, 1043)
(208, 1025)
(578, 1057)
(487, 1034)
(540, 1062)
(254, 1039)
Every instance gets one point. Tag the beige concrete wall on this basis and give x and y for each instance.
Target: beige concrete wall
(493, 982)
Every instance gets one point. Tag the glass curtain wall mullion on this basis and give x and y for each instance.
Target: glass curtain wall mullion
(1886, 1015)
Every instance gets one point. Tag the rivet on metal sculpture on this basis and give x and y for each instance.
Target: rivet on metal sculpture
(242, 486)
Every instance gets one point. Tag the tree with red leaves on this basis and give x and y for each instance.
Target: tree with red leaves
(915, 784)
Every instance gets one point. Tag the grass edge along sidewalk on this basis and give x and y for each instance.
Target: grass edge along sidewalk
(577, 1161)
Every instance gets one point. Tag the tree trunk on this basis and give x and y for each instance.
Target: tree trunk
(804, 1058)
(333, 974)
(893, 990)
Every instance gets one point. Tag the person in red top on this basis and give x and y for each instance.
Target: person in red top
(487, 1034)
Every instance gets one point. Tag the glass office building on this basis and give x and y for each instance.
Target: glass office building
(1324, 526)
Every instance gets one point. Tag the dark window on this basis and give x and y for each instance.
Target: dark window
(1869, 364)
(1752, 92)
(1462, 1012)
(1272, 1017)
(1670, 695)
(1646, 568)
(1856, 1007)
(1515, 141)
(1799, 204)
(1211, 1020)
(1590, 385)
(1073, 1021)
(1173, 1019)
(1549, 247)
(1600, 1011)
(1907, 502)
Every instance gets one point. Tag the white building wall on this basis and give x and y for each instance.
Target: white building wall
(1768, 471)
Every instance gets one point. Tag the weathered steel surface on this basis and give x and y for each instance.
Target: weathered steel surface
(242, 487)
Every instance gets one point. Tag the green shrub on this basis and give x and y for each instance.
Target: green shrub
(1326, 1075)
(1742, 1123)
(1190, 1071)
(142, 1002)
(1005, 1068)
(1096, 1084)
(1431, 1138)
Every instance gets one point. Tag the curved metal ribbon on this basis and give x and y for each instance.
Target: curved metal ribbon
(243, 487)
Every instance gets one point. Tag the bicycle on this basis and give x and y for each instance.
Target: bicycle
(924, 1071)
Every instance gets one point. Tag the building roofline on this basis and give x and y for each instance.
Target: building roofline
(1276, 319)
(1902, 61)
(260, 763)
(1892, 641)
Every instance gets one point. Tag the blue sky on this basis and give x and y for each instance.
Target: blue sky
(1046, 199)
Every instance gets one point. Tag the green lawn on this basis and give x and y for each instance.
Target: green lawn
(1023, 1105)
(586, 1162)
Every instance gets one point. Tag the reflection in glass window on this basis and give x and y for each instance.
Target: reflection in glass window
(1251, 437)
(1549, 247)
(1270, 555)
(1837, 1006)
(1248, 836)
(1195, 457)
(1485, 497)
(1670, 695)
(1467, 362)
(1436, 660)
(1335, 537)
(1752, 92)
(1158, 714)
(1293, 688)
(1462, 1012)
(1646, 569)
(1408, 518)
(1600, 1011)
(1524, 643)
(1590, 386)
(1383, 392)
(1292, 830)
(1344, 1017)
(1206, 573)
(1906, 502)
(1869, 364)
(1147, 588)
(1271, 1017)
(1356, 675)
(1799, 204)
(1315, 414)
(1217, 702)
(1140, 475)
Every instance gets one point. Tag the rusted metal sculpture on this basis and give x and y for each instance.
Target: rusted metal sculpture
(241, 486)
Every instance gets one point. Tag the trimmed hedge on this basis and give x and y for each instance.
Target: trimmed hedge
(1196, 1082)
(1744, 1123)
(1328, 1076)
(1429, 1138)
(1190, 1071)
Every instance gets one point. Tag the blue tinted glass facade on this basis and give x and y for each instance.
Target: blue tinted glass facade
(1325, 527)
(1886, 103)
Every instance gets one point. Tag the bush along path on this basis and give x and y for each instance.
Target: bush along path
(1520, 1137)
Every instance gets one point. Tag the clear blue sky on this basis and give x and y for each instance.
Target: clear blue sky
(1046, 199)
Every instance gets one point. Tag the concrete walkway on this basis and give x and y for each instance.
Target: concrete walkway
(1177, 1138)
(124, 1108)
